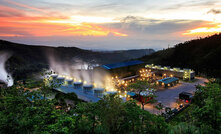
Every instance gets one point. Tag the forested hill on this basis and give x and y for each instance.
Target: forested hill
(203, 55)
(29, 58)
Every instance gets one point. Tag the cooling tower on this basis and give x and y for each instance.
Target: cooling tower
(111, 92)
(99, 92)
(88, 88)
(54, 77)
(69, 82)
(78, 85)
(60, 79)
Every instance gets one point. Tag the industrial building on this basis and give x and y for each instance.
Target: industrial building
(168, 82)
(166, 71)
(122, 69)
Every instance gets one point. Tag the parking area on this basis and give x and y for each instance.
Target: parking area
(169, 96)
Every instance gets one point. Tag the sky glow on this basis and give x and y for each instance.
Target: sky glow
(108, 24)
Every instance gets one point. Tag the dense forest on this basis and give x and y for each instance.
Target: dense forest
(27, 59)
(202, 55)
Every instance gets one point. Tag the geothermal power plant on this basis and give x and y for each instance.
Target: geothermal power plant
(86, 91)
(92, 84)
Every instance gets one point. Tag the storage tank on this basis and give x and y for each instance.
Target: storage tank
(88, 88)
(78, 85)
(99, 92)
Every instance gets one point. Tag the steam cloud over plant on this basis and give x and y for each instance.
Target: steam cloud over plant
(4, 76)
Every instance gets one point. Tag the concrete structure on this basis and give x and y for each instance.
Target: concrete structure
(166, 71)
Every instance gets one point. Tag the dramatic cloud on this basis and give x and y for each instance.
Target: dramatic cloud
(215, 11)
(111, 24)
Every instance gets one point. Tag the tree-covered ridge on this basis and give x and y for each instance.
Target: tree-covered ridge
(27, 59)
(20, 115)
(202, 55)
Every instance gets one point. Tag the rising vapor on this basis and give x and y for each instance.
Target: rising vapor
(4, 76)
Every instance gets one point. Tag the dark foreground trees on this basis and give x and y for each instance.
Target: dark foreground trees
(110, 115)
(19, 115)
(204, 114)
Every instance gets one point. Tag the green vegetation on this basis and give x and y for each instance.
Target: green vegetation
(201, 55)
(142, 86)
(204, 114)
(110, 115)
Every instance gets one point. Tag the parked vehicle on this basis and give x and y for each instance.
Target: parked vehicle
(187, 97)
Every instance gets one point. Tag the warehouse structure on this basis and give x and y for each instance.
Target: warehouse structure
(122, 69)
(166, 71)
(168, 82)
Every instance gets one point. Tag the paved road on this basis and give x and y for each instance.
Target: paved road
(168, 96)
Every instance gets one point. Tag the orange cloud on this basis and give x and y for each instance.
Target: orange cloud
(204, 31)
(15, 21)
(10, 35)
(41, 26)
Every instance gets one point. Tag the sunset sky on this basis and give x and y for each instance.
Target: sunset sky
(108, 24)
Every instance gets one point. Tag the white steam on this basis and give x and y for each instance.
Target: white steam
(81, 71)
(4, 76)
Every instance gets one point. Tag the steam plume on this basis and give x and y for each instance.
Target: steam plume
(4, 76)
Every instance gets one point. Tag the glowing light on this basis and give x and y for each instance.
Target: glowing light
(85, 82)
(80, 80)
(119, 34)
(51, 26)
(95, 85)
(204, 31)
(11, 35)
